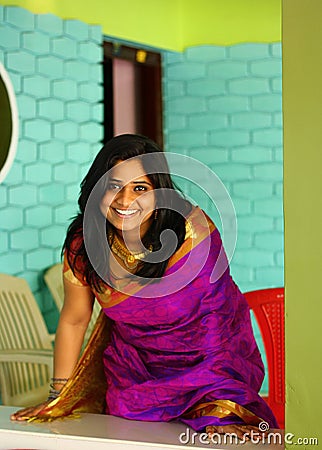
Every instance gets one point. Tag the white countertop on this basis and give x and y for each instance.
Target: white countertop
(102, 432)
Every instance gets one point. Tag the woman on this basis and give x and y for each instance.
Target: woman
(180, 347)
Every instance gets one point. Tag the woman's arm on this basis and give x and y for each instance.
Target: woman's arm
(74, 318)
(73, 321)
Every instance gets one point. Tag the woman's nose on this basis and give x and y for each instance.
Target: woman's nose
(125, 197)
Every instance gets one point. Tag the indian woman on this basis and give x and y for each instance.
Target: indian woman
(171, 343)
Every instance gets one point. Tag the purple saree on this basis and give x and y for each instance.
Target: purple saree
(185, 354)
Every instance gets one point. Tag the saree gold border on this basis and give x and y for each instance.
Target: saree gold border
(68, 274)
(221, 409)
(196, 231)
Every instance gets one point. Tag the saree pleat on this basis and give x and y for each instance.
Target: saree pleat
(221, 409)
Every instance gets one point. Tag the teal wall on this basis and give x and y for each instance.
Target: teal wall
(223, 106)
(55, 68)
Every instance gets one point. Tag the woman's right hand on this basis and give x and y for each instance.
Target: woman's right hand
(27, 413)
(73, 321)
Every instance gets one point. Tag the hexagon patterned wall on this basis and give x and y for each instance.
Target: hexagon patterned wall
(55, 67)
(223, 106)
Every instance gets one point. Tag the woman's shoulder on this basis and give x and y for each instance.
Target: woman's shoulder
(74, 240)
(198, 221)
(74, 265)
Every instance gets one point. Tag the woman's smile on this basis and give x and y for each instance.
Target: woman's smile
(126, 213)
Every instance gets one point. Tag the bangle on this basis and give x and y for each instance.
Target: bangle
(59, 380)
(53, 394)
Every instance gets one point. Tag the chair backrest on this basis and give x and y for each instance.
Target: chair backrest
(53, 277)
(268, 308)
(22, 330)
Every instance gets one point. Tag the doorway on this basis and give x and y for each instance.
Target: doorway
(132, 92)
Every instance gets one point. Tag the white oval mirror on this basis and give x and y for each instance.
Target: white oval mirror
(8, 123)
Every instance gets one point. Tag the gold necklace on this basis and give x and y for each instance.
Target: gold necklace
(130, 259)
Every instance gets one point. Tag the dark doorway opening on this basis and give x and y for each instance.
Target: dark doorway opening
(132, 92)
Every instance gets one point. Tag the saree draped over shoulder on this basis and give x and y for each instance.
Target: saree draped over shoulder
(181, 348)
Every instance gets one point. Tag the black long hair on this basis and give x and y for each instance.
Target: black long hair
(121, 148)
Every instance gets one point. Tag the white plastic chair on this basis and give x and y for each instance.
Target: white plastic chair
(53, 277)
(26, 349)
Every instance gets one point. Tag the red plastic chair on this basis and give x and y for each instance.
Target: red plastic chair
(268, 308)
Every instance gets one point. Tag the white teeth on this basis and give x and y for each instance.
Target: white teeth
(126, 212)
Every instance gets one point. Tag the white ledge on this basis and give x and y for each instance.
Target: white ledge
(94, 431)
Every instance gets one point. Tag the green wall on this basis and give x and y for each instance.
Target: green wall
(302, 104)
(226, 22)
(172, 24)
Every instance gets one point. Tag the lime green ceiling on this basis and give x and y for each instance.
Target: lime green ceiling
(172, 24)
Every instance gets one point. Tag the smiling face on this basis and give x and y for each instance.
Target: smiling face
(129, 201)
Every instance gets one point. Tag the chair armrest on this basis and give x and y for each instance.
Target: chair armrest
(34, 356)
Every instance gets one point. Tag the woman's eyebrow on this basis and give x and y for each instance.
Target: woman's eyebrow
(116, 180)
(141, 182)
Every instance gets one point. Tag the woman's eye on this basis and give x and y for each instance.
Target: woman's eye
(140, 188)
(113, 187)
